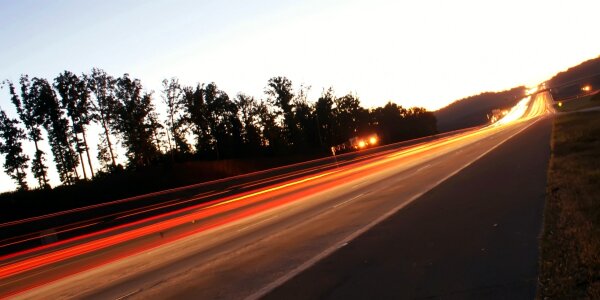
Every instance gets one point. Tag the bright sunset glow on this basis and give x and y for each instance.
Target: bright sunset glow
(531, 90)
(414, 53)
(425, 53)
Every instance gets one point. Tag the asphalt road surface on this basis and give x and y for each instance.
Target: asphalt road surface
(475, 236)
(264, 240)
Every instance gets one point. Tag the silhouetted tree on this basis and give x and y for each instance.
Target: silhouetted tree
(75, 100)
(58, 130)
(31, 116)
(15, 161)
(270, 131)
(325, 118)
(223, 123)
(159, 133)
(196, 117)
(397, 123)
(134, 123)
(420, 122)
(249, 117)
(349, 116)
(172, 97)
(280, 92)
(286, 122)
(180, 139)
(305, 122)
(104, 108)
(391, 123)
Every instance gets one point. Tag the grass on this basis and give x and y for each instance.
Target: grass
(570, 244)
(579, 103)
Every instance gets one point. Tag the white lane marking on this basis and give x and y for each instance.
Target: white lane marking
(353, 198)
(423, 168)
(256, 223)
(128, 295)
(307, 264)
(360, 184)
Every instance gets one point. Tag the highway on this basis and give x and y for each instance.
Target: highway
(249, 241)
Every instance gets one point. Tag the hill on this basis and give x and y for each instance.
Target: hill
(569, 83)
(473, 110)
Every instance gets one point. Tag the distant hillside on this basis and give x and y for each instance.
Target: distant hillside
(473, 111)
(569, 83)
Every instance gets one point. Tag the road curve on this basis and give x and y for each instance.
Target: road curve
(245, 244)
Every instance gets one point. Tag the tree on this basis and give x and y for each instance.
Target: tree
(270, 131)
(249, 117)
(58, 130)
(172, 97)
(158, 133)
(32, 118)
(196, 116)
(279, 89)
(396, 123)
(391, 123)
(134, 122)
(75, 99)
(350, 118)
(325, 118)
(104, 110)
(221, 114)
(306, 133)
(15, 161)
(420, 122)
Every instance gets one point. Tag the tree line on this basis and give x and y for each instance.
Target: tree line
(200, 122)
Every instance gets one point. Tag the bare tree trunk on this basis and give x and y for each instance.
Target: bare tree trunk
(173, 132)
(170, 146)
(22, 183)
(82, 165)
(174, 142)
(76, 173)
(78, 150)
(155, 138)
(110, 150)
(68, 178)
(87, 151)
(44, 182)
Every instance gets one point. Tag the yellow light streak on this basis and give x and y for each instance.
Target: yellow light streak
(272, 189)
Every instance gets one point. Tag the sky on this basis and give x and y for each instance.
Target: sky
(415, 53)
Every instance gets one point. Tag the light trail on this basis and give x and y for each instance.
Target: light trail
(243, 205)
(531, 106)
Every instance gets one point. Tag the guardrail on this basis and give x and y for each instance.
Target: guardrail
(50, 228)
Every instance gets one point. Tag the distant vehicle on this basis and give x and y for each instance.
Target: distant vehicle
(358, 143)
(496, 115)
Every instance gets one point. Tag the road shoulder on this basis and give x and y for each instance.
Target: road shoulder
(570, 259)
